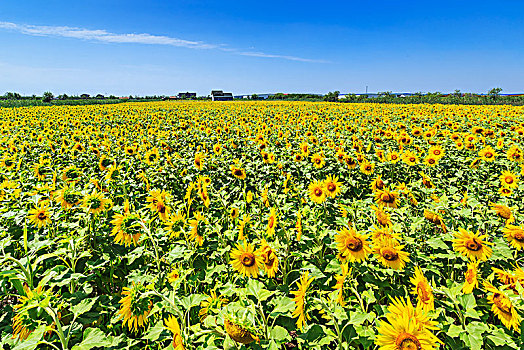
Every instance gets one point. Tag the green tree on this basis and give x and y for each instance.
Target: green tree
(331, 96)
(494, 92)
(47, 96)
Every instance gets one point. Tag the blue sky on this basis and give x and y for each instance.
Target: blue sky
(164, 47)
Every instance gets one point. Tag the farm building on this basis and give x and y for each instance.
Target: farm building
(219, 95)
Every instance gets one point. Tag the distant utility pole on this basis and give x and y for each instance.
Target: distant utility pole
(366, 89)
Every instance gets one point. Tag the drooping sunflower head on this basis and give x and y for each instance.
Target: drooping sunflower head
(503, 212)
(239, 332)
(503, 307)
(135, 306)
(172, 325)
(71, 174)
(422, 289)
(27, 316)
(126, 228)
(95, 202)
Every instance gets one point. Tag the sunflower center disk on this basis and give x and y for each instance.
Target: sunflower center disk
(498, 300)
(354, 244)
(474, 245)
(390, 255)
(406, 341)
(247, 259)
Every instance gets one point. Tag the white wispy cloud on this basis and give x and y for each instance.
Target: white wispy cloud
(133, 38)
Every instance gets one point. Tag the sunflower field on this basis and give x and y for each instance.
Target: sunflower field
(261, 225)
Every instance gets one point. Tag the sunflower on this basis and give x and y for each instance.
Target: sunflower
(126, 227)
(71, 174)
(134, 308)
(333, 186)
(384, 235)
(472, 245)
(505, 192)
(317, 192)
(470, 279)
(422, 289)
(239, 333)
(437, 152)
(377, 184)
(217, 148)
(318, 160)
(112, 172)
(212, 302)
(157, 203)
(271, 222)
(431, 160)
(503, 212)
(381, 215)
(40, 216)
(199, 161)
(299, 299)
(246, 261)
(95, 202)
(387, 198)
(238, 172)
(390, 254)
(515, 236)
(350, 162)
(393, 157)
(508, 179)
(173, 275)
(352, 245)
(152, 156)
(233, 213)
(130, 150)
(298, 157)
(269, 258)
(487, 154)
(173, 224)
(339, 286)
(402, 331)
(435, 219)
(172, 325)
(41, 170)
(367, 168)
(503, 308)
(298, 226)
(104, 163)
(68, 197)
(401, 306)
(410, 158)
(27, 312)
(194, 224)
